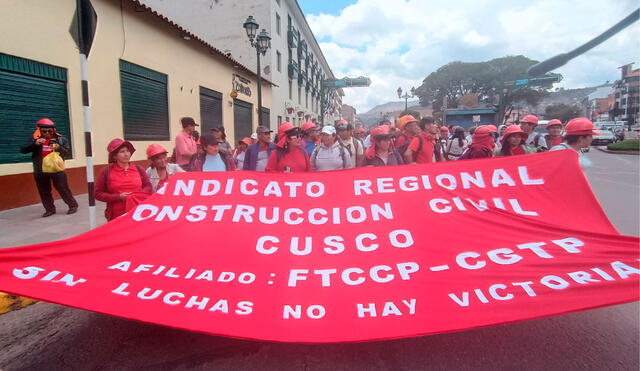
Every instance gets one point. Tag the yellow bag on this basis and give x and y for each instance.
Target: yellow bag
(52, 163)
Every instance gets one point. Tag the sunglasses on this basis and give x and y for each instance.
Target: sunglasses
(46, 131)
(294, 136)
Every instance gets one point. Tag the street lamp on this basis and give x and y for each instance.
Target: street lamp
(406, 96)
(262, 42)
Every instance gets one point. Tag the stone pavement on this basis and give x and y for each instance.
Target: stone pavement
(25, 225)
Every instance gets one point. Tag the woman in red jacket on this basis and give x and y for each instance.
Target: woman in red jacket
(289, 156)
(122, 185)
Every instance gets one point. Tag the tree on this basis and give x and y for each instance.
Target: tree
(485, 79)
(562, 112)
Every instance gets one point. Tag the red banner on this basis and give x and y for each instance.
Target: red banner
(361, 254)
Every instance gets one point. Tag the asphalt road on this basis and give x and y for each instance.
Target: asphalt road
(47, 336)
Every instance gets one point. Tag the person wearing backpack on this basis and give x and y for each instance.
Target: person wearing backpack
(535, 141)
(330, 154)
(457, 144)
(351, 144)
(422, 149)
(122, 185)
(288, 156)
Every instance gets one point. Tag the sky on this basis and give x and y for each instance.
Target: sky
(397, 43)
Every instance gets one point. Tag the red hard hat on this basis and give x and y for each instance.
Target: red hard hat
(340, 122)
(117, 143)
(308, 125)
(554, 122)
(155, 149)
(246, 140)
(444, 128)
(483, 129)
(45, 122)
(404, 120)
(284, 127)
(532, 119)
(362, 130)
(513, 129)
(380, 130)
(580, 126)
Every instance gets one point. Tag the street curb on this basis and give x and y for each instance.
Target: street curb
(604, 149)
(10, 302)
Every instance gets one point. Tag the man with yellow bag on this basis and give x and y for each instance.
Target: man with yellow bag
(47, 149)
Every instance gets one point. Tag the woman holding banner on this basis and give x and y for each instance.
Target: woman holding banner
(289, 156)
(122, 185)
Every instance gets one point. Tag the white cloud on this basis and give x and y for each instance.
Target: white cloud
(399, 42)
(475, 39)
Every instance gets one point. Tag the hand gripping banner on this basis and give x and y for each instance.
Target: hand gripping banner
(362, 254)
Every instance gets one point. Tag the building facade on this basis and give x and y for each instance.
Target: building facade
(627, 95)
(348, 113)
(145, 73)
(294, 63)
(599, 104)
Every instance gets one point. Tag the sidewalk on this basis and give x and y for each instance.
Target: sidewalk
(25, 225)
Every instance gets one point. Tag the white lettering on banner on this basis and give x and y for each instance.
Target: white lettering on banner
(443, 206)
(553, 282)
(465, 180)
(266, 215)
(388, 308)
(174, 298)
(353, 276)
(248, 187)
(192, 273)
(314, 311)
(267, 245)
(504, 256)
(28, 273)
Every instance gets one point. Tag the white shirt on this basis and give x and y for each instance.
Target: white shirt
(261, 162)
(330, 158)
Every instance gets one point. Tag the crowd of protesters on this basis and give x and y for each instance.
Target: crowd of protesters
(122, 184)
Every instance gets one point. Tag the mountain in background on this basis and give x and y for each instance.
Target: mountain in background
(392, 109)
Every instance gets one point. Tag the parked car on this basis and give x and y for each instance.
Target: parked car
(603, 138)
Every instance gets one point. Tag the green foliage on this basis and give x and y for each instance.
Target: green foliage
(562, 112)
(625, 145)
(415, 114)
(484, 79)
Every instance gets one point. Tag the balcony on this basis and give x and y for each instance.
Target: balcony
(293, 70)
(293, 38)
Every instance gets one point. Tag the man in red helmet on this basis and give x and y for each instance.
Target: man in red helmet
(45, 141)
(534, 140)
(578, 135)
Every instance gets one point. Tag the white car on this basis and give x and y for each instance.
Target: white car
(605, 137)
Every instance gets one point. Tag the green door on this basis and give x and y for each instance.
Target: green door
(29, 91)
(242, 119)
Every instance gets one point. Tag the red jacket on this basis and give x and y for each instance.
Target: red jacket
(108, 189)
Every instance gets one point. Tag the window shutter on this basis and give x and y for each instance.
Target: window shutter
(29, 91)
(145, 111)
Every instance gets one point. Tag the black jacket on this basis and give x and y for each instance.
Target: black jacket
(64, 149)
